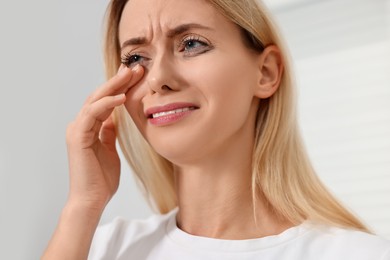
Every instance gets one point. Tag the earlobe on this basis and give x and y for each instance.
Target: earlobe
(271, 71)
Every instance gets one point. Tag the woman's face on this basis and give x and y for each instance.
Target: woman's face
(197, 94)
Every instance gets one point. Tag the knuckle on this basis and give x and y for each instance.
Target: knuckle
(89, 99)
(87, 111)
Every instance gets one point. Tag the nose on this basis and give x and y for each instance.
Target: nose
(162, 76)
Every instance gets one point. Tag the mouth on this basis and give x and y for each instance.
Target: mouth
(166, 114)
(171, 112)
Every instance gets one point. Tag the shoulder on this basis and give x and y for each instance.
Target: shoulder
(347, 244)
(122, 235)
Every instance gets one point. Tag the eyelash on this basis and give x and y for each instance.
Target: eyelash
(128, 59)
(203, 46)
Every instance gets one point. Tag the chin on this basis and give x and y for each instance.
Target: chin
(177, 152)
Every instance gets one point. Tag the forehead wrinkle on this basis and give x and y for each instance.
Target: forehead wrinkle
(154, 28)
(160, 24)
(157, 19)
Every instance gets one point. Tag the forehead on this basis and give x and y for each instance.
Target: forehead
(150, 17)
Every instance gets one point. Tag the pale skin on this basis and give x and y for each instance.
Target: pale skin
(212, 145)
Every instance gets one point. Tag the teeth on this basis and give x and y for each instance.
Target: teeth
(171, 112)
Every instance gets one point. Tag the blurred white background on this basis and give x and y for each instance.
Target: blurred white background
(51, 60)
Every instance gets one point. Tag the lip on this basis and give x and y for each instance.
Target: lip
(169, 118)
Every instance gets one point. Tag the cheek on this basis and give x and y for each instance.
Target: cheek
(232, 88)
(223, 83)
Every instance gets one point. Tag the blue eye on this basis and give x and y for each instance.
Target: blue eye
(131, 60)
(193, 45)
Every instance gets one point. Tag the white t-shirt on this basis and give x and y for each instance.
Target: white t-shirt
(159, 238)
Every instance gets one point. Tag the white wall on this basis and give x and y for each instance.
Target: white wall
(50, 61)
(342, 56)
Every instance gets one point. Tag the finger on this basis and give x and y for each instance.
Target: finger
(108, 133)
(91, 116)
(120, 83)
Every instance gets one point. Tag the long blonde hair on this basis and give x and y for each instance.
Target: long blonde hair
(282, 172)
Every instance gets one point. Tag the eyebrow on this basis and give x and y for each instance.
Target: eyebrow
(170, 34)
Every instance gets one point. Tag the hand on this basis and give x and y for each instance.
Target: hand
(93, 160)
(94, 167)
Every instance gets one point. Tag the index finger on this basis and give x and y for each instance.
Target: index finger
(120, 83)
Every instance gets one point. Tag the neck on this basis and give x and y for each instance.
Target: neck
(215, 199)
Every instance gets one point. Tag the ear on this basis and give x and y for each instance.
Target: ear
(271, 71)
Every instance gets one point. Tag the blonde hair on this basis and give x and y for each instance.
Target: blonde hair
(282, 172)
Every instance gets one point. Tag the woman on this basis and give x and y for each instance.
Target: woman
(204, 114)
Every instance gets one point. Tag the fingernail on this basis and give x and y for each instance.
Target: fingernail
(135, 68)
(120, 96)
(122, 69)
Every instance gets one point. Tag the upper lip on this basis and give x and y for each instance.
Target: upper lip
(168, 107)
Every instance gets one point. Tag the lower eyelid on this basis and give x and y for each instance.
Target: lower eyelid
(199, 50)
